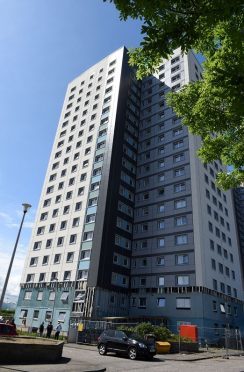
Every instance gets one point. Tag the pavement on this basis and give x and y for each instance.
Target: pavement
(187, 357)
(85, 358)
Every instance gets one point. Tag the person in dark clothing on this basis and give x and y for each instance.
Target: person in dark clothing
(13, 324)
(41, 329)
(49, 329)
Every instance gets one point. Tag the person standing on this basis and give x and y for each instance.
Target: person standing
(41, 329)
(58, 330)
(49, 329)
(13, 324)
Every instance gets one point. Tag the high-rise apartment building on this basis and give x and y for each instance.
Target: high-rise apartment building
(238, 195)
(130, 223)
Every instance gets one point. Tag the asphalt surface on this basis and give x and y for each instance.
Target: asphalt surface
(86, 359)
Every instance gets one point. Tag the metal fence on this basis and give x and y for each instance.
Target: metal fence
(87, 331)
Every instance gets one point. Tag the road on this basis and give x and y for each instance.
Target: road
(83, 360)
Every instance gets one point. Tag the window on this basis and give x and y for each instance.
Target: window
(183, 303)
(161, 302)
(160, 261)
(27, 295)
(78, 206)
(179, 187)
(54, 276)
(161, 281)
(180, 221)
(71, 181)
(39, 296)
(183, 280)
(76, 222)
(52, 227)
(178, 144)
(49, 243)
(58, 198)
(161, 242)
(92, 202)
(143, 282)
(222, 287)
(57, 258)
(35, 314)
(83, 177)
(37, 246)
(181, 239)
(53, 177)
(51, 296)
(72, 239)
(60, 241)
(48, 316)
(66, 209)
(179, 172)
(61, 316)
(45, 260)
(90, 218)
(177, 131)
(179, 157)
(161, 225)
(46, 202)
(70, 257)
(30, 278)
(33, 261)
(144, 262)
(42, 277)
(213, 264)
(161, 177)
(23, 313)
(161, 208)
(181, 203)
(142, 302)
(215, 285)
(67, 276)
(182, 259)
(161, 163)
(88, 235)
(69, 195)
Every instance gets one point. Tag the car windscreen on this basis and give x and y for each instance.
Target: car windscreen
(134, 336)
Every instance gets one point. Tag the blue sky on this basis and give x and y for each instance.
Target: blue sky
(43, 45)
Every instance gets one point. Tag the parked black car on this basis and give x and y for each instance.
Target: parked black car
(126, 343)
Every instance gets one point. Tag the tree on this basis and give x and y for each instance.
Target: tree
(211, 108)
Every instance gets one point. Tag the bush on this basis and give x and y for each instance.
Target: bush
(143, 329)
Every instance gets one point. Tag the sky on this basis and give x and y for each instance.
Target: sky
(44, 44)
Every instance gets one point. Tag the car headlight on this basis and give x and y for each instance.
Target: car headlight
(143, 346)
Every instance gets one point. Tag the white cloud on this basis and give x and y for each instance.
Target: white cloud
(26, 225)
(5, 217)
(16, 272)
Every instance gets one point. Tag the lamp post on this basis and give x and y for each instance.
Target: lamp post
(26, 206)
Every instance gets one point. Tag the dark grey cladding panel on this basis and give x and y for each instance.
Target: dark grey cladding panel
(104, 234)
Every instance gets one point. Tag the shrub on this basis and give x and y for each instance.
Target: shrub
(143, 329)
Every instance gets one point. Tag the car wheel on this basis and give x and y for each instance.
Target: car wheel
(132, 353)
(102, 349)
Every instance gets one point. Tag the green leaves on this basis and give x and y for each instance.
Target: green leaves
(212, 108)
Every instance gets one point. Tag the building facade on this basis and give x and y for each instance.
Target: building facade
(238, 195)
(130, 223)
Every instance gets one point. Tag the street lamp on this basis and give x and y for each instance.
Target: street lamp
(26, 206)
